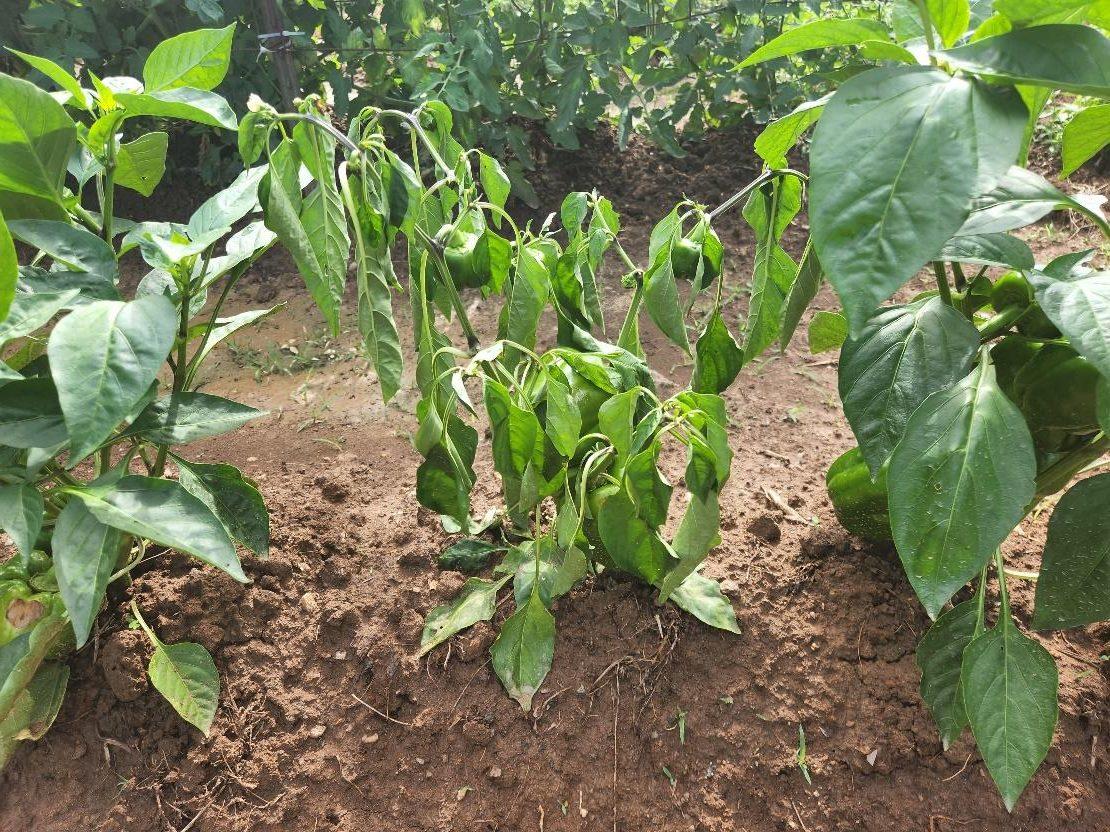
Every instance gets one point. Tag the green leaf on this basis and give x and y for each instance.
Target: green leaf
(516, 431)
(802, 292)
(36, 139)
(476, 601)
(181, 102)
(226, 327)
(939, 655)
(955, 492)
(1020, 199)
(224, 209)
(633, 545)
(1009, 690)
(9, 274)
(85, 555)
(233, 498)
(494, 182)
(1080, 308)
(193, 59)
(468, 555)
(950, 18)
(31, 311)
(1029, 11)
(1071, 58)
(35, 707)
(163, 511)
(773, 271)
(818, 34)
(1074, 585)
(141, 164)
(702, 598)
(999, 250)
(59, 76)
(186, 675)
(103, 358)
(1084, 136)
(30, 415)
(186, 417)
(892, 176)
(441, 486)
(71, 246)
(650, 491)
(903, 355)
(778, 137)
(564, 419)
(718, 358)
(523, 650)
(827, 331)
(21, 508)
(697, 534)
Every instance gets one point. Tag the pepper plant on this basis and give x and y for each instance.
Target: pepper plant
(974, 401)
(94, 406)
(577, 426)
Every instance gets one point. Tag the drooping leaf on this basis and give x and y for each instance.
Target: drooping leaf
(59, 76)
(21, 508)
(70, 246)
(892, 179)
(468, 555)
(1074, 584)
(1067, 57)
(475, 602)
(196, 59)
(227, 207)
(632, 544)
(86, 553)
(163, 511)
(564, 419)
(718, 358)
(702, 598)
(818, 34)
(103, 358)
(233, 498)
(802, 292)
(1020, 198)
(185, 674)
(36, 139)
(939, 656)
(188, 416)
(903, 355)
(955, 490)
(1009, 690)
(523, 650)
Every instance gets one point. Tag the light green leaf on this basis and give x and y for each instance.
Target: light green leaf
(494, 182)
(226, 327)
(103, 358)
(1074, 585)
(1061, 56)
(1021, 198)
(59, 76)
(523, 650)
(224, 209)
(1084, 136)
(69, 245)
(903, 355)
(163, 511)
(1009, 690)
(1029, 11)
(702, 598)
(950, 18)
(31, 311)
(86, 553)
(196, 59)
(892, 178)
(778, 137)
(141, 164)
(186, 675)
(939, 656)
(476, 601)
(233, 498)
(21, 508)
(9, 274)
(181, 102)
(827, 331)
(955, 492)
(818, 34)
(37, 137)
(188, 416)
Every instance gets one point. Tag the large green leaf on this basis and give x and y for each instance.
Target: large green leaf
(563, 423)
(187, 416)
(186, 675)
(103, 358)
(185, 103)
(36, 139)
(702, 598)
(818, 34)
(778, 137)
(224, 209)
(1074, 586)
(1084, 136)
(1030, 11)
(903, 355)
(68, 245)
(950, 18)
(31, 311)
(30, 415)
(523, 650)
(632, 544)
(475, 602)
(1080, 308)
(959, 482)
(163, 511)
(998, 250)
(193, 59)
(939, 656)
(1020, 198)
(140, 164)
(85, 553)
(21, 508)
(1009, 690)
(516, 431)
(1066, 57)
(896, 158)
(59, 76)
(233, 498)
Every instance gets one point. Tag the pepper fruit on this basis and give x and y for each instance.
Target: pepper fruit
(860, 504)
(1009, 355)
(467, 257)
(691, 248)
(1011, 290)
(20, 608)
(1056, 391)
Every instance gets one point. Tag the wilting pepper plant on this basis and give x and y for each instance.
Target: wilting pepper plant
(94, 405)
(577, 428)
(973, 401)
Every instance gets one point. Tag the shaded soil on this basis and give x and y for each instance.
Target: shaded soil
(328, 722)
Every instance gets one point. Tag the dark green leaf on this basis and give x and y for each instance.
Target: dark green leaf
(564, 420)
(523, 650)
(633, 545)
(233, 498)
(468, 555)
(802, 292)
(30, 415)
(186, 417)
(476, 601)
(31, 311)
(1080, 308)
(998, 250)
(21, 508)
(86, 553)
(718, 358)
(939, 656)
(1020, 199)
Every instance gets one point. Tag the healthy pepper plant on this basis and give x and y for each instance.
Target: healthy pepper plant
(576, 428)
(94, 406)
(974, 401)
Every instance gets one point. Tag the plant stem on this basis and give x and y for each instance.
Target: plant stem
(927, 25)
(108, 195)
(762, 179)
(998, 324)
(1059, 473)
(942, 282)
(1005, 619)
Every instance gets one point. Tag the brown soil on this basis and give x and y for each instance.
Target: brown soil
(327, 722)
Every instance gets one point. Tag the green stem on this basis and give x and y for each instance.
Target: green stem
(942, 282)
(1004, 616)
(108, 195)
(927, 25)
(1060, 473)
(760, 180)
(999, 323)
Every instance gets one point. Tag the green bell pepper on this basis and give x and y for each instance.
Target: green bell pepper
(860, 503)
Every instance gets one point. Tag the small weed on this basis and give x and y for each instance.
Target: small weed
(293, 356)
(801, 755)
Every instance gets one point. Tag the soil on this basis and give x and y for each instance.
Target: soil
(648, 720)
